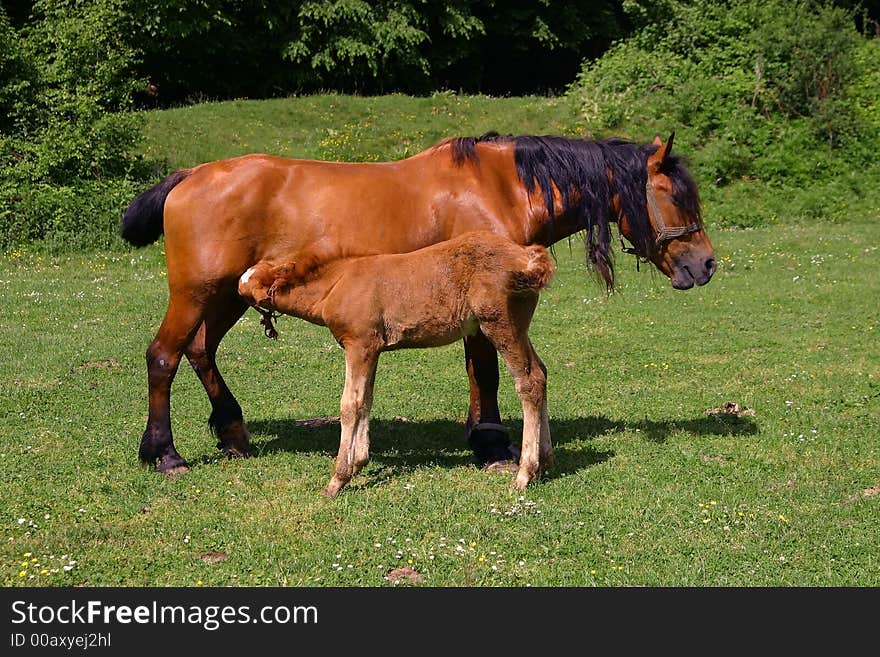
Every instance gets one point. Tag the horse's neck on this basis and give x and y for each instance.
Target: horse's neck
(547, 230)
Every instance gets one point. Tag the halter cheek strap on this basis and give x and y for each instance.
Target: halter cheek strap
(664, 232)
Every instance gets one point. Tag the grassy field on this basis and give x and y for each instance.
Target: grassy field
(347, 128)
(647, 488)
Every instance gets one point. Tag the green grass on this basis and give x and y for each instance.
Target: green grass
(647, 489)
(339, 127)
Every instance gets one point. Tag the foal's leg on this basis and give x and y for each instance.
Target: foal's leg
(491, 445)
(510, 336)
(354, 415)
(181, 321)
(531, 385)
(545, 451)
(226, 419)
(362, 437)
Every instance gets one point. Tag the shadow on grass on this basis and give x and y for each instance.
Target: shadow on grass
(398, 446)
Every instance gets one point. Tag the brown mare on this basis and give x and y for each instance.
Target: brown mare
(222, 217)
(479, 281)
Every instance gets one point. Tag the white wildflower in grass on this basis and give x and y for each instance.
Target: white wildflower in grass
(521, 507)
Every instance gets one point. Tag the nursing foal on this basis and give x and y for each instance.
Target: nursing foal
(425, 298)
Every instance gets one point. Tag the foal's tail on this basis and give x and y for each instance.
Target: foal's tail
(143, 221)
(536, 276)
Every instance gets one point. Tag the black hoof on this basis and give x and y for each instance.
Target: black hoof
(232, 452)
(172, 464)
(159, 452)
(491, 445)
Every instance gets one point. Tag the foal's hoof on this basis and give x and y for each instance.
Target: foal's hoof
(334, 486)
(521, 482)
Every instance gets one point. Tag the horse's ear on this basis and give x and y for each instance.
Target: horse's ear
(655, 161)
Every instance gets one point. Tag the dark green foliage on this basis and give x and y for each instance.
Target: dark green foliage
(256, 48)
(17, 79)
(66, 148)
(65, 218)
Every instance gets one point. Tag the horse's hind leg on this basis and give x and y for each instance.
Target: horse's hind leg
(354, 415)
(487, 437)
(163, 356)
(226, 419)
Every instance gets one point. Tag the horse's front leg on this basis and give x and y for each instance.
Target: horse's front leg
(487, 437)
(354, 415)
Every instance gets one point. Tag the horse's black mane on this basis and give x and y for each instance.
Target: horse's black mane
(579, 170)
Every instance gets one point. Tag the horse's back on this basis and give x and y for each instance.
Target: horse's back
(229, 214)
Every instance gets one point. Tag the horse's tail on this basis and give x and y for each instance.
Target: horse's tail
(143, 221)
(537, 274)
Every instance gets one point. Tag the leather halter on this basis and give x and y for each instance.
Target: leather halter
(664, 232)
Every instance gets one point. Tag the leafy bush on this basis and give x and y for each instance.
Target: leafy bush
(223, 49)
(66, 149)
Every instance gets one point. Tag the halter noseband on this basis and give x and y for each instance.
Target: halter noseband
(664, 232)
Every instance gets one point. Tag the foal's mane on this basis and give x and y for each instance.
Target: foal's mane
(579, 169)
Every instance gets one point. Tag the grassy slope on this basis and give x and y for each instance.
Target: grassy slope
(647, 489)
(343, 127)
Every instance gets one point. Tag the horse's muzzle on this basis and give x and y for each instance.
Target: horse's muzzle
(697, 270)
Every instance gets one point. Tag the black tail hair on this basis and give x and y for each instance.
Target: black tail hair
(143, 221)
